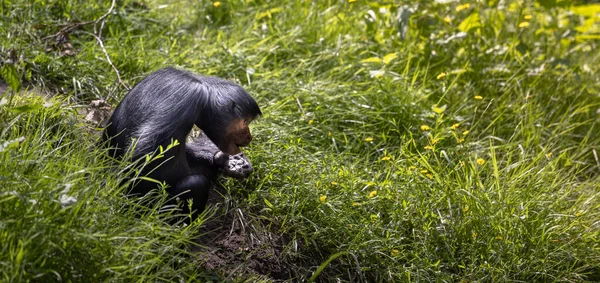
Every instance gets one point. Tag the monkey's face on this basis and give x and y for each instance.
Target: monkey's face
(237, 135)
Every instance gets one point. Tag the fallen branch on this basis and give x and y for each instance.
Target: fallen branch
(97, 35)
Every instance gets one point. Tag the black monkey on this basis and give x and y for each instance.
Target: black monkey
(164, 107)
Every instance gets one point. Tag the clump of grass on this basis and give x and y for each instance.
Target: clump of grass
(64, 214)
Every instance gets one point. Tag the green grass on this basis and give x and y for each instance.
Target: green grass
(385, 154)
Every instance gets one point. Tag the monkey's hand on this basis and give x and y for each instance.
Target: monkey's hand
(238, 166)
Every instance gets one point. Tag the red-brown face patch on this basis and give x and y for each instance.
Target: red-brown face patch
(237, 135)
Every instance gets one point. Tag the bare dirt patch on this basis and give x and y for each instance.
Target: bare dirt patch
(235, 248)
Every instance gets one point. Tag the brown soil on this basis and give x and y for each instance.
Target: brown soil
(235, 248)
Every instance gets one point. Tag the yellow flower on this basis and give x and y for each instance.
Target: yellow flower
(461, 140)
(430, 176)
(434, 141)
(310, 122)
(578, 213)
(524, 24)
(527, 17)
(455, 126)
(465, 133)
(372, 194)
(323, 198)
(386, 158)
(425, 128)
(478, 97)
(441, 75)
(447, 19)
(350, 1)
(466, 208)
(424, 171)
(438, 110)
(428, 147)
(369, 139)
(480, 161)
(217, 4)
(462, 7)
(334, 183)
(395, 252)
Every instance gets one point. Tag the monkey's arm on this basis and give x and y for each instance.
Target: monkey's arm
(204, 151)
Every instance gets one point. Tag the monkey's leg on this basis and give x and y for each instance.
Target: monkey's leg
(195, 188)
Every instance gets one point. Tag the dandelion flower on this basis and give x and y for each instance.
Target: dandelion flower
(369, 139)
(441, 75)
(310, 122)
(386, 158)
(447, 19)
(425, 128)
(455, 126)
(465, 132)
(395, 252)
(217, 4)
(480, 161)
(372, 194)
(323, 198)
(524, 24)
(430, 176)
(478, 97)
(527, 17)
(462, 7)
(334, 183)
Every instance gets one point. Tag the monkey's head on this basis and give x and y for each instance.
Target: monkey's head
(237, 135)
(227, 113)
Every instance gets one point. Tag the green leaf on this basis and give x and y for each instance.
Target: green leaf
(389, 57)
(585, 37)
(372, 60)
(10, 75)
(25, 108)
(324, 264)
(589, 10)
(268, 203)
(268, 13)
(471, 22)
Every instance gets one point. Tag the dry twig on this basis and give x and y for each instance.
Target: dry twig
(97, 35)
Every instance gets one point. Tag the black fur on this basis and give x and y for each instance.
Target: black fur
(164, 107)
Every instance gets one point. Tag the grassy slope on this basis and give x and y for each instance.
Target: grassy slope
(420, 154)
